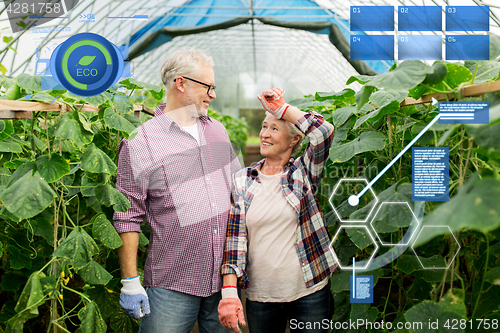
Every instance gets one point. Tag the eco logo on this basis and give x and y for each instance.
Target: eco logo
(86, 64)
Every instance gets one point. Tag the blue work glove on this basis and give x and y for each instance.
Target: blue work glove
(133, 299)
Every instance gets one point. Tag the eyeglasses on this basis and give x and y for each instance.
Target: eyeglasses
(210, 89)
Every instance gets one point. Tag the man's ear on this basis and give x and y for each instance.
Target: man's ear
(180, 83)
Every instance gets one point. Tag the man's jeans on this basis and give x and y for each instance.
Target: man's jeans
(176, 312)
(273, 317)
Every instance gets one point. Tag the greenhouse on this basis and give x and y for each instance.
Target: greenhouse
(383, 118)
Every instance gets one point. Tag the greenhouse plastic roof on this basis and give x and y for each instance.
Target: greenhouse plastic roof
(253, 50)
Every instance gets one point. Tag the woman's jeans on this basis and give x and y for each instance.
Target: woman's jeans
(311, 313)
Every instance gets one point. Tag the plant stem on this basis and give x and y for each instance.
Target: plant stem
(47, 132)
(76, 292)
(437, 90)
(485, 269)
(475, 71)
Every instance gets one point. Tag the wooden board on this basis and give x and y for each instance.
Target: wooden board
(24, 109)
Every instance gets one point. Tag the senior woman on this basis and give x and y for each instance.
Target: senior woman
(277, 243)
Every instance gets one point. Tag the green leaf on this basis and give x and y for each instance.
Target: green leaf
(91, 320)
(335, 96)
(87, 192)
(143, 240)
(122, 103)
(95, 160)
(68, 128)
(28, 196)
(363, 311)
(32, 295)
(79, 247)
(378, 113)
(6, 129)
(306, 103)
(359, 78)
(52, 167)
(20, 172)
(405, 77)
(107, 300)
(86, 60)
(114, 120)
(94, 273)
(42, 97)
(430, 312)
(486, 70)
(18, 259)
(409, 263)
(84, 122)
(359, 237)
(363, 96)
(493, 276)
(43, 228)
(367, 141)
(105, 232)
(10, 147)
(3, 69)
(28, 82)
(123, 323)
(485, 136)
(108, 196)
(474, 207)
(131, 83)
(395, 193)
(5, 175)
(96, 100)
(12, 281)
(453, 301)
(341, 281)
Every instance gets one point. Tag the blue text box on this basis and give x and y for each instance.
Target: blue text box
(467, 18)
(430, 173)
(464, 112)
(470, 47)
(372, 18)
(361, 288)
(372, 47)
(420, 18)
(420, 47)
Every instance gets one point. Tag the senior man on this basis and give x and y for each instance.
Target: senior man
(176, 174)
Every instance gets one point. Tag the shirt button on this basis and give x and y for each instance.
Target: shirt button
(303, 264)
(213, 205)
(215, 231)
(207, 178)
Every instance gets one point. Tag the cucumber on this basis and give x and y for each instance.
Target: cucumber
(438, 74)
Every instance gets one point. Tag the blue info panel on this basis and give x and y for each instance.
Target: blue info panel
(467, 18)
(420, 18)
(372, 47)
(430, 173)
(470, 47)
(464, 112)
(372, 18)
(420, 47)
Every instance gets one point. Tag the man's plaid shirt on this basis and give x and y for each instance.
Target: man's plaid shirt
(298, 184)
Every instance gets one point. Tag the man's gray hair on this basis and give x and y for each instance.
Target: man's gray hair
(185, 61)
(293, 130)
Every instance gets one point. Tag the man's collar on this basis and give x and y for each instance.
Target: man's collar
(167, 121)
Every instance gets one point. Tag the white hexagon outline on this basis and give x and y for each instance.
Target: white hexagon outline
(330, 247)
(338, 215)
(451, 233)
(396, 244)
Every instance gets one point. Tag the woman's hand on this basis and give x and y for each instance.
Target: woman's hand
(273, 101)
(231, 310)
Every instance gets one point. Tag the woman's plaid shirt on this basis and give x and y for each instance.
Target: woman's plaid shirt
(298, 182)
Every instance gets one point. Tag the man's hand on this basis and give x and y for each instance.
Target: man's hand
(133, 299)
(273, 101)
(231, 310)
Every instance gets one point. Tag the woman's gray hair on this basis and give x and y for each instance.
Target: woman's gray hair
(293, 130)
(185, 61)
